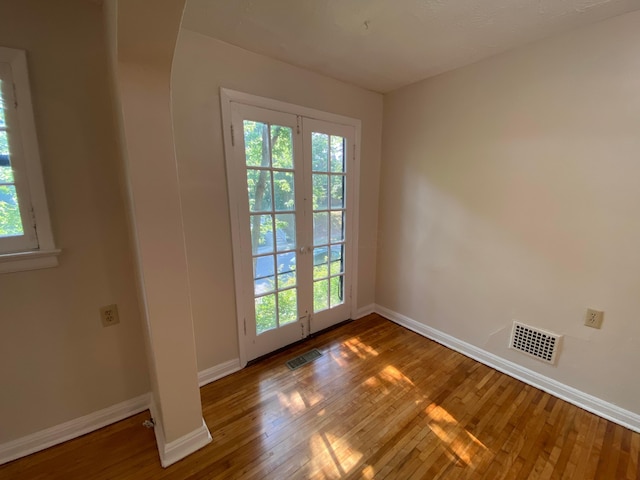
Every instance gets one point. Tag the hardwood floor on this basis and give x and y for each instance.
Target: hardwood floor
(382, 402)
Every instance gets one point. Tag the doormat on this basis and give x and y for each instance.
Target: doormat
(304, 359)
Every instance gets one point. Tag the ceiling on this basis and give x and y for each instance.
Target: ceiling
(382, 45)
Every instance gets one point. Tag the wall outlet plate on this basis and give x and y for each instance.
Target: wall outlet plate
(594, 318)
(109, 315)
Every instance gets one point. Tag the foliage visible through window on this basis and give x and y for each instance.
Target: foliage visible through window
(271, 194)
(10, 221)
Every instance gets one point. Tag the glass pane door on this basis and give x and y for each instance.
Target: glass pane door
(291, 191)
(328, 147)
(328, 180)
(267, 162)
(272, 222)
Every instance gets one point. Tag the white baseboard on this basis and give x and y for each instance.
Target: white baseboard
(74, 428)
(176, 450)
(574, 396)
(172, 452)
(218, 371)
(364, 311)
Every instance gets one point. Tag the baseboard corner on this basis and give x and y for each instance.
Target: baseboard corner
(364, 311)
(216, 372)
(182, 447)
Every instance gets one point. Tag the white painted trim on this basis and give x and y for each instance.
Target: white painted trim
(355, 231)
(228, 95)
(25, 160)
(179, 448)
(74, 428)
(225, 107)
(218, 371)
(572, 395)
(184, 446)
(364, 311)
(23, 261)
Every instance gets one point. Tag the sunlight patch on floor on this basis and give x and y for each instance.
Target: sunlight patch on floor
(295, 403)
(373, 382)
(460, 444)
(331, 457)
(362, 350)
(392, 375)
(342, 362)
(368, 472)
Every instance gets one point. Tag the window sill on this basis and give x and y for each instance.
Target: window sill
(22, 261)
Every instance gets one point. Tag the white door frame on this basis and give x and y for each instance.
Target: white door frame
(228, 96)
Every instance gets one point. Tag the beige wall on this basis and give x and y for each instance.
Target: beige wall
(510, 191)
(57, 362)
(202, 65)
(142, 74)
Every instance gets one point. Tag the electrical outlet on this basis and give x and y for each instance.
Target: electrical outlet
(594, 318)
(109, 315)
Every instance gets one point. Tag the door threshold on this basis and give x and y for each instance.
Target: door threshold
(299, 342)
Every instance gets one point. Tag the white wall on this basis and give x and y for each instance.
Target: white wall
(202, 65)
(57, 362)
(510, 190)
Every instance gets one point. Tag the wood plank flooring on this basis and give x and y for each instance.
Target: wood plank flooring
(381, 403)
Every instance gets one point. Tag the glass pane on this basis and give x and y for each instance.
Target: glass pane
(6, 173)
(320, 259)
(320, 191)
(320, 295)
(264, 279)
(259, 190)
(286, 263)
(261, 234)
(283, 191)
(320, 228)
(337, 191)
(337, 226)
(285, 232)
(10, 222)
(256, 144)
(287, 306)
(337, 154)
(281, 147)
(336, 297)
(2, 120)
(337, 262)
(4, 143)
(265, 313)
(319, 152)
(264, 285)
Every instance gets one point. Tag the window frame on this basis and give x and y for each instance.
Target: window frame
(35, 248)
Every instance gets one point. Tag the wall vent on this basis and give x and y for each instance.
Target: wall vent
(534, 342)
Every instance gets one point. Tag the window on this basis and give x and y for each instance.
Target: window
(26, 242)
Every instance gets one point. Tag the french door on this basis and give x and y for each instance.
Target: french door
(290, 182)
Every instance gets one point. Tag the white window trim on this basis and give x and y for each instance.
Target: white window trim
(28, 166)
